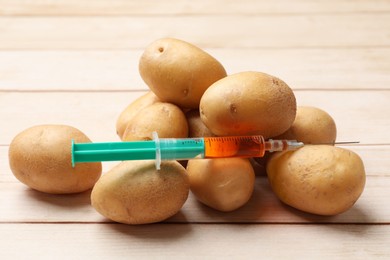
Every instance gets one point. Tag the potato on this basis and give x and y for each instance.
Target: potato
(132, 110)
(41, 158)
(311, 126)
(223, 184)
(319, 179)
(259, 164)
(248, 103)
(134, 192)
(179, 72)
(166, 119)
(196, 128)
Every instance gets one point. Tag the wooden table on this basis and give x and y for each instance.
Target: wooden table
(75, 62)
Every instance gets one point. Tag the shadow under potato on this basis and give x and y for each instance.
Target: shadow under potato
(153, 232)
(75, 200)
(265, 207)
(252, 212)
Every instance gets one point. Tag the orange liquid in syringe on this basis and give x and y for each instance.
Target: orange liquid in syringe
(236, 146)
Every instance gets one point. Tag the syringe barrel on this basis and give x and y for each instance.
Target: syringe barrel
(177, 149)
(181, 149)
(234, 146)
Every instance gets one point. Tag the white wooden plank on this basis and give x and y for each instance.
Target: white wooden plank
(124, 7)
(342, 30)
(70, 70)
(359, 115)
(18, 203)
(361, 68)
(95, 114)
(313, 45)
(111, 241)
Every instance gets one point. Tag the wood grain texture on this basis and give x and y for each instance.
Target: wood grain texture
(194, 241)
(207, 31)
(153, 7)
(75, 62)
(20, 204)
(361, 68)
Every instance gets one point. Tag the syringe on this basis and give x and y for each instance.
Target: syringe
(179, 149)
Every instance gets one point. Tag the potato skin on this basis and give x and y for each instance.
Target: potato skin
(223, 184)
(40, 157)
(196, 127)
(166, 119)
(179, 72)
(248, 103)
(134, 192)
(319, 179)
(132, 110)
(311, 126)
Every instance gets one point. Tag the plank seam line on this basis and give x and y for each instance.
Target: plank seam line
(145, 90)
(341, 89)
(188, 14)
(72, 90)
(215, 46)
(195, 223)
